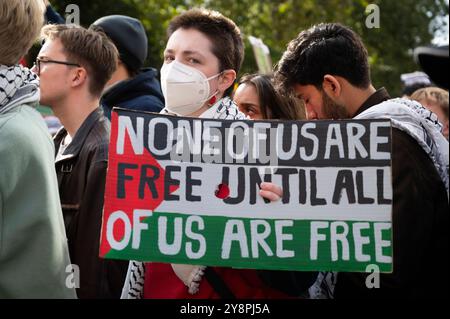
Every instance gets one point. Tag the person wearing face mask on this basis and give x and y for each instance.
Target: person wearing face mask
(202, 57)
(192, 84)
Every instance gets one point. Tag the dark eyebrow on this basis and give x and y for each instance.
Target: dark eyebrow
(248, 104)
(191, 52)
(187, 52)
(43, 58)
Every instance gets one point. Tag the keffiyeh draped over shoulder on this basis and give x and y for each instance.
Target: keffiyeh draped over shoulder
(224, 109)
(18, 85)
(421, 124)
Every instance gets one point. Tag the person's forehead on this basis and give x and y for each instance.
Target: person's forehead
(190, 40)
(246, 90)
(52, 47)
(302, 90)
(246, 94)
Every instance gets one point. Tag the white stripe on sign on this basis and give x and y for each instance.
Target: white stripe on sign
(353, 194)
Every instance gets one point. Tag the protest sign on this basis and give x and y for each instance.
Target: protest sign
(186, 190)
(262, 55)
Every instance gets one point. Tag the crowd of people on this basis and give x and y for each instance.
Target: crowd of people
(52, 190)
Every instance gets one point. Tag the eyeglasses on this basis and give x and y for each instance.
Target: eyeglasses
(37, 64)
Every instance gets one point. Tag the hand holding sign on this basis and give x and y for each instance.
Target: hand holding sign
(268, 191)
(271, 191)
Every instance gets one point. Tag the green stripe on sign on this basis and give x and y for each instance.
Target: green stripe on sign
(261, 244)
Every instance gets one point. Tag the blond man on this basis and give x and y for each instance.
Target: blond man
(34, 259)
(436, 100)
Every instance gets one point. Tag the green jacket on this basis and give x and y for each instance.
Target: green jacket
(34, 258)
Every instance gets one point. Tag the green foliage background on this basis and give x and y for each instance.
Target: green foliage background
(404, 25)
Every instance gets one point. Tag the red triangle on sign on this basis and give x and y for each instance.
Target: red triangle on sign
(144, 164)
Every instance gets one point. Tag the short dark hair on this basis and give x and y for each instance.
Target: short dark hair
(224, 34)
(282, 105)
(326, 48)
(91, 49)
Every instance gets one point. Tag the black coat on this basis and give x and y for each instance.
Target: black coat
(421, 226)
(81, 178)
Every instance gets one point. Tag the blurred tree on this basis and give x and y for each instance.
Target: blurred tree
(404, 25)
(154, 14)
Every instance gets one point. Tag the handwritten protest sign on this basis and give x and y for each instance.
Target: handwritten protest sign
(186, 190)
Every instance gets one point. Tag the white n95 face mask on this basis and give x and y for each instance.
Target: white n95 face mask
(185, 88)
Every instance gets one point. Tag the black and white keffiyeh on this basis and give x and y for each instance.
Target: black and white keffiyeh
(190, 275)
(18, 85)
(134, 282)
(421, 124)
(323, 287)
(224, 109)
